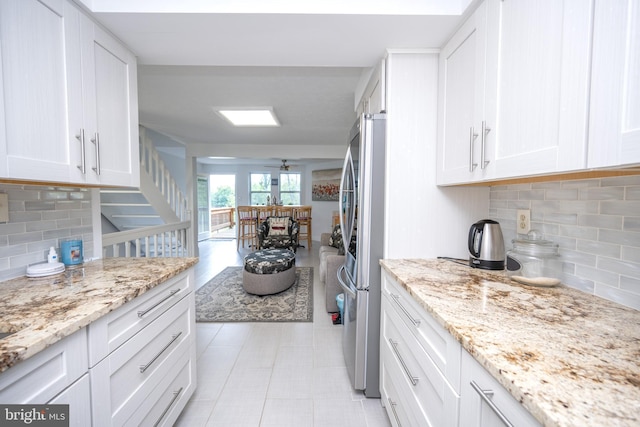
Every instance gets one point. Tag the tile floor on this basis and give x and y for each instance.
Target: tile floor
(273, 374)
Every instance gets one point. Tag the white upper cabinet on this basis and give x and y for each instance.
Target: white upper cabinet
(537, 94)
(614, 122)
(38, 46)
(70, 98)
(461, 100)
(110, 103)
(519, 72)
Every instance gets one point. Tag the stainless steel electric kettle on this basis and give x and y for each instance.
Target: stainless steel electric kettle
(486, 245)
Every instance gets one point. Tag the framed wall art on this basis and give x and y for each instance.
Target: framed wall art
(325, 185)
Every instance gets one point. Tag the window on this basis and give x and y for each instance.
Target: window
(290, 188)
(260, 188)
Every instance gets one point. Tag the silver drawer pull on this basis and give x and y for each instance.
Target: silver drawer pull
(393, 409)
(396, 298)
(485, 395)
(394, 346)
(172, 293)
(145, 367)
(173, 400)
(96, 142)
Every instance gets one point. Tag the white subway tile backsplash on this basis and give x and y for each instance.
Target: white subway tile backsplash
(626, 208)
(596, 222)
(561, 194)
(602, 193)
(620, 237)
(599, 248)
(39, 216)
(613, 222)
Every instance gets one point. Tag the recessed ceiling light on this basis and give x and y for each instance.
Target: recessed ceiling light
(250, 117)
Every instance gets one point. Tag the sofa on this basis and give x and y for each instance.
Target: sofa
(278, 232)
(331, 258)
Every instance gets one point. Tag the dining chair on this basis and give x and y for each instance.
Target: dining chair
(303, 216)
(247, 223)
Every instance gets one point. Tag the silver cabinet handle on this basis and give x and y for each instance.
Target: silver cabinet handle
(472, 138)
(148, 365)
(396, 298)
(393, 409)
(172, 293)
(485, 395)
(394, 347)
(173, 400)
(83, 165)
(483, 139)
(96, 142)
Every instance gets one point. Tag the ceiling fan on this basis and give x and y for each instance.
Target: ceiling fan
(284, 166)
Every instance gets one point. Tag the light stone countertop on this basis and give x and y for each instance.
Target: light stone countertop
(42, 311)
(571, 358)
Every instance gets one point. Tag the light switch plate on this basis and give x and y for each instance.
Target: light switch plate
(4, 207)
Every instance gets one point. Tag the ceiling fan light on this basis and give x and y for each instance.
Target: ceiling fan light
(250, 117)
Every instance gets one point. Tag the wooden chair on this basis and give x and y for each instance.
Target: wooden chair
(303, 216)
(284, 210)
(247, 223)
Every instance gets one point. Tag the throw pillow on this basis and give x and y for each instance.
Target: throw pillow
(278, 226)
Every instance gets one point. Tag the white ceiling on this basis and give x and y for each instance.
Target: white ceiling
(303, 60)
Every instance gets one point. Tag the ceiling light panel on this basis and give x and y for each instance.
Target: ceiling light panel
(250, 117)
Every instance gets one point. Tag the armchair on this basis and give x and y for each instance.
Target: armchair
(278, 232)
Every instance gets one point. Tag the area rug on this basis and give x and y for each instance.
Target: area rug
(223, 299)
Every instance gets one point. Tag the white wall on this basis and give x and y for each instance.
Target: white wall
(422, 220)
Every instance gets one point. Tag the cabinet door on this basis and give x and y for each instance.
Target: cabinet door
(111, 108)
(614, 122)
(78, 397)
(40, 82)
(475, 409)
(538, 63)
(461, 100)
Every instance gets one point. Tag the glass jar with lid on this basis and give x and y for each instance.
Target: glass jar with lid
(534, 258)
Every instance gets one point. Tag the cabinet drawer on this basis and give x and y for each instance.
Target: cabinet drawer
(112, 330)
(164, 404)
(130, 373)
(439, 344)
(41, 377)
(394, 401)
(433, 397)
(476, 412)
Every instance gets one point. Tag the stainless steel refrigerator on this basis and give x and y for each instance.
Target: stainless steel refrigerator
(362, 217)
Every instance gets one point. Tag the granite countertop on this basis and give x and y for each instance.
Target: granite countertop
(41, 311)
(571, 358)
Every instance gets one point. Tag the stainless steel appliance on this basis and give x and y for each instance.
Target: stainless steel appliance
(486, 245)
(362, 208)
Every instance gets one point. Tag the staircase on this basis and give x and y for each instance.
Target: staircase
(150, 221)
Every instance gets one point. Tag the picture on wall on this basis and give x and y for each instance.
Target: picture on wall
(325, 185)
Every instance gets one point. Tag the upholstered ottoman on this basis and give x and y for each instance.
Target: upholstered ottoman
(269, 271)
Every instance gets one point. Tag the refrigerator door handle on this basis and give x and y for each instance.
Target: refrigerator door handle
(345, 287)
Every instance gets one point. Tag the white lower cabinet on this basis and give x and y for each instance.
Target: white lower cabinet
(77, 396)
(485, 403)
(148, 379)
(56, 375)
(43, 376)
(428, 379)
(415, 390)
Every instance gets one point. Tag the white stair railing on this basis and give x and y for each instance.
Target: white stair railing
(168, 240)
(152, 164)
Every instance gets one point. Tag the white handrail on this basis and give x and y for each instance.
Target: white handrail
(152, 164)
(168, 240)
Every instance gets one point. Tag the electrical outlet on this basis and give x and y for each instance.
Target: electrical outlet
(4, 207)
(523, 222)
